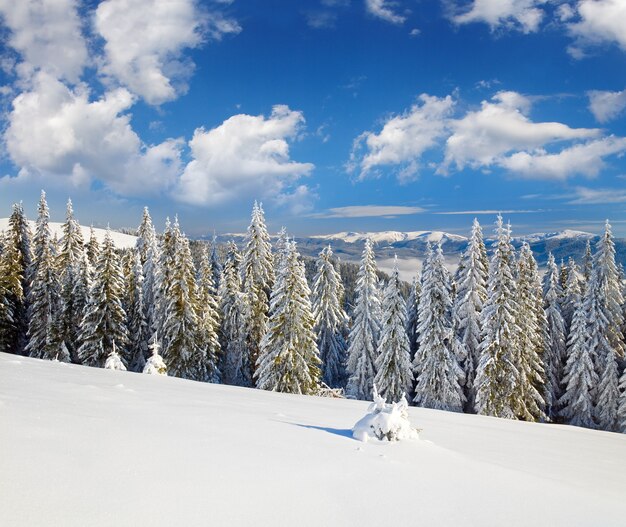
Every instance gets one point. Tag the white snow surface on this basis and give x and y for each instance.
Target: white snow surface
(121, 241)
(392, 236)
(93, 447)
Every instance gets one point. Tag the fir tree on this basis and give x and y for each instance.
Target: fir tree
(162, 279)
(138, 331)
(289, 360)
(216, 266)
(555, 357)
(393, 365)
(437, 372)
(363, 339)
(148, 247)
(528, 401)
(93, 248)
(103, 323)
(146, 236)
(181, 350)
(6, 306)
(603, 301)
(497, 374)
(468, 304)
(571, 294)
(330, 319)
(44, 293)
(563, 274)
(412, 312)
(235, 361)
(580, 377)
(587, 264)
(72, 271)
(15, 278)
(257, 276)
(208, 317)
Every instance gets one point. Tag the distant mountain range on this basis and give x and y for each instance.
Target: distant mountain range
(410, 247)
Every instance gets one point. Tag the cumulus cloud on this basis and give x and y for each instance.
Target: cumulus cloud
(384, 10)
(145, 40)
(47, 34)
(368, 211)
(585, 159)
(606, 105)
(500, 134)
(601, 21)
(501, 126)
(403, 138)
(246, 155)
(58, 133)
(523, 15)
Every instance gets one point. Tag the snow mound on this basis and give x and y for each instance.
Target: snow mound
(385, 422)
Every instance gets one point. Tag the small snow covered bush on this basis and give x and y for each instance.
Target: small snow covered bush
(114, 362)
(155, 365)
(385, 421)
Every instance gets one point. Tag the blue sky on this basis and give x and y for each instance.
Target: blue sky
(337, 114)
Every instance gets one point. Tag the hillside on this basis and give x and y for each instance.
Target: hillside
(121, 240)
(83, 446)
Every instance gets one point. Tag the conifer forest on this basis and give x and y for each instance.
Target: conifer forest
(497, 337)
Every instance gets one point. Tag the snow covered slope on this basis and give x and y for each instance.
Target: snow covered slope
(91, 447)
(121, 241)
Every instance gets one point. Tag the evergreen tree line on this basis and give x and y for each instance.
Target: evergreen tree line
(495, 338)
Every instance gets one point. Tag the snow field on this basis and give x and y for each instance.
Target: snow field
(88, 447)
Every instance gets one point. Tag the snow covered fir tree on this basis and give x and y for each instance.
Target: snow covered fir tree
(331, 320)
(500, 336)
(363, 339)
(289, 359)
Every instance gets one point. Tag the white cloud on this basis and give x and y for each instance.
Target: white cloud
(524, 15)
(368, 211)
(583, 159)
(299, 201)
(565, 12)
(244, 156)
(404, 138)
(47, 34)
(321, 19)
(384, 10)
(498, 135)
(481, 138)
(597, 196)
(491, 212)
(144, 41)
(606, 105)
(57, 133)
(600, 21)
